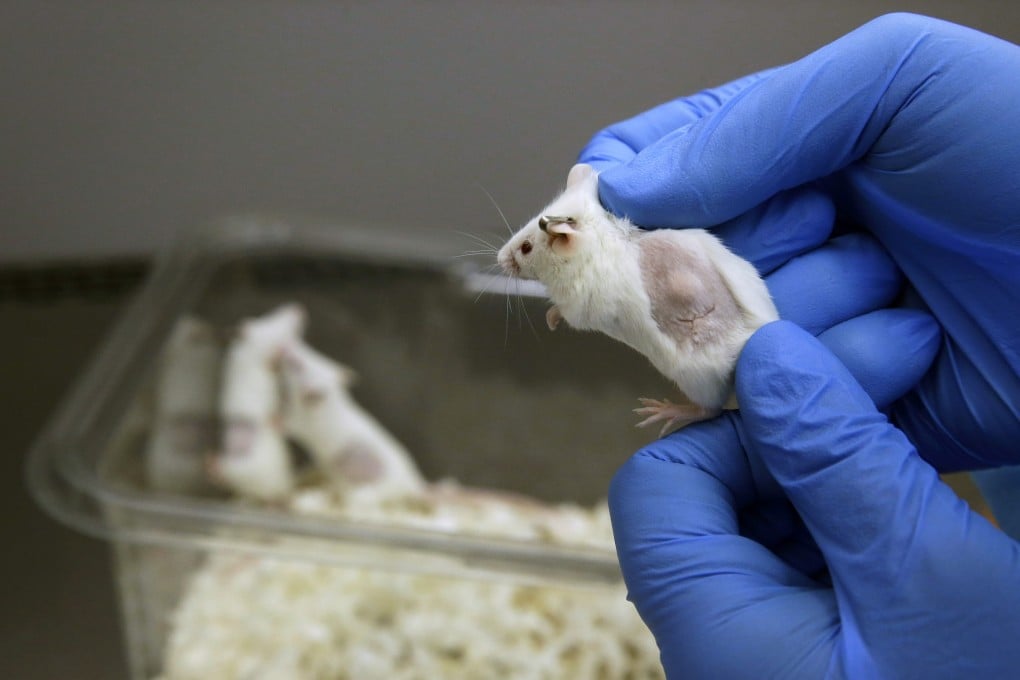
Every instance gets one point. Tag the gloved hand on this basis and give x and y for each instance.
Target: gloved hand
(905, 127)
(910, 125)
(877, 570)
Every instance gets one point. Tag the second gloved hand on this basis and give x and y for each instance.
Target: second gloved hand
(872, 567)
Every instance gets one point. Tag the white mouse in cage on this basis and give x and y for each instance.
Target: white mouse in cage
(183, 427)
(254, 458)
(345, 442)
(677, 296)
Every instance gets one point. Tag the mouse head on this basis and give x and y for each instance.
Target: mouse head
(311, 376)
(268, 332)
(557, 235)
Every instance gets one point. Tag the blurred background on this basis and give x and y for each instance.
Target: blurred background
(126, 123)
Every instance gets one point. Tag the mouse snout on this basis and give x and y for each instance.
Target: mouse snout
(508, 262)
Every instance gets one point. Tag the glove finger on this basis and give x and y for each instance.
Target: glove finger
(776, 525)
(621, 141)
(965, 415)
(895, 538)
(887, 351)
(701, 527)
(803, 122)
(849, 276)
(697, 583)
(787, 225)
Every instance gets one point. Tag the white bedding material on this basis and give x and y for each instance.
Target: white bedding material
(256, 617)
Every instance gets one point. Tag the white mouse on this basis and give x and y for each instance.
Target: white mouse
(351, 447)
(253, 459)
(677, 296)
(250, 389)
(185, 414)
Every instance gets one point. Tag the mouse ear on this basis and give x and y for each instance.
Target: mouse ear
(560, 228)
(562, 238)
(579, 173)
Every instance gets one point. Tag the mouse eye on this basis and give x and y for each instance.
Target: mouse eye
(526, 247)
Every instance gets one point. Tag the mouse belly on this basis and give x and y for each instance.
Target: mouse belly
(705, 376)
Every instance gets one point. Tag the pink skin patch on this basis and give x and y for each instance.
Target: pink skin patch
(312, 398)
(358, 465)
(690, 302)
(239, 438)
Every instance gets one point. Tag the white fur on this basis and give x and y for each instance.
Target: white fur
(183, 428)
(249, 380)
(255, 462)
(322, 415)
(705, 376)
(254, 459)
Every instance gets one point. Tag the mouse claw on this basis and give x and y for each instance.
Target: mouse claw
(674, 415)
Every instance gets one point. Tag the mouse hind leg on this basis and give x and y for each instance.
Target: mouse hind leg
(673, 416)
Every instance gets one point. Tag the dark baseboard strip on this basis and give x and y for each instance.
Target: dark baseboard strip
(51, 282)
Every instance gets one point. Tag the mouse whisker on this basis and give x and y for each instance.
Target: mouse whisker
(479, 240)
(498, 209)
(492, 249)
(484, 290)
(474, 253)
(522, 305)
(492, 279)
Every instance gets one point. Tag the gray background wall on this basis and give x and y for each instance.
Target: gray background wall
(124, 122)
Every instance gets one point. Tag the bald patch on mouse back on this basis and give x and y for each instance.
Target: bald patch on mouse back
(358, 464)
(689, 300)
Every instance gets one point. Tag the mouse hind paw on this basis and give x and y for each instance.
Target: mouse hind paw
(675, 416)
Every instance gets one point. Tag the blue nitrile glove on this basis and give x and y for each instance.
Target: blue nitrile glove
(909, 126)
(912, 127)
(877, 570)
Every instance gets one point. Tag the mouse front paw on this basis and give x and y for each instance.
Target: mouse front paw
(553, 317)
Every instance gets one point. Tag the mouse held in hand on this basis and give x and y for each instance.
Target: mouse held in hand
(677, 296)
